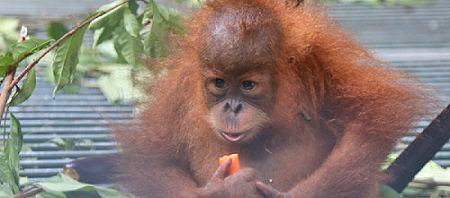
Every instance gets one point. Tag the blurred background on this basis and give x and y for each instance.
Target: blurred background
(411, 35)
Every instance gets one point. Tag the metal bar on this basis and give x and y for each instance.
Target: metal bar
(420, 151)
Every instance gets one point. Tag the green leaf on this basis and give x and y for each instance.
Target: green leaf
(133, 6)
(154, 41)
(148, 11)
(5, 191)
(126, 45)
(131, 23)
(102, 35)
(26, 89)
(56, 30)
(5, 61)
(66, 59)
(4, 169)
(30, 46)
(64, 186)
(170, 17)
(13, 148)
(108, 6)
(388, 192)
(154, 37)
(6, 176)
(117, 85)
(110, 19)
(164, 21)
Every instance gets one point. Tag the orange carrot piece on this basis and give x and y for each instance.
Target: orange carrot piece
(235, 164)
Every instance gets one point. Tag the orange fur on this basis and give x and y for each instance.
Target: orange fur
(325, 78)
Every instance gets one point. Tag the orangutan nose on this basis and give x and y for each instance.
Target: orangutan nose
(234, 106)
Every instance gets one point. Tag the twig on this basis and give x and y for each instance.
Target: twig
(59, 41)
(5, 96)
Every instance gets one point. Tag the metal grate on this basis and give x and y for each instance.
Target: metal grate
(415, 40)
(421, 26)
(84, 118)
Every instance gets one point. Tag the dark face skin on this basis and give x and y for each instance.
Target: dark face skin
(239, 104)
(238, 63)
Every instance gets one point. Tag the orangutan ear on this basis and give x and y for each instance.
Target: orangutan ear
(294, 3)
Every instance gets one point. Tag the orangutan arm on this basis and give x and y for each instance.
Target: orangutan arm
(349, 171)
(174, 182)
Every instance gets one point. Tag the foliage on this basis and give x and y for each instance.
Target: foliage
(122, 37)
(26, 89)
(56, 30)
(134, 33)
(131, 30)
(66, 59)
(62, 186)
(20, 51)
(9, 159)
(117, 84)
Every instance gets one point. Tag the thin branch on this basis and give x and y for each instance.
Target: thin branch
(59, 41)
(9, 78)
(5, 96)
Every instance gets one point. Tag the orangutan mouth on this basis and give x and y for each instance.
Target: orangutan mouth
(233, 137)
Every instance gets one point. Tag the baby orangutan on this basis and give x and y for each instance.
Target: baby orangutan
(310, 112)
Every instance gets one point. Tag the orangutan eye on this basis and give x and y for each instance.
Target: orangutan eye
(219, 83)
(248, 85)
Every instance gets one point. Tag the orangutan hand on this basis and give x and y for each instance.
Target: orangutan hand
(240, 184)
(269, 192)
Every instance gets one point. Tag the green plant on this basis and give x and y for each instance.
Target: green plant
(133, 34)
